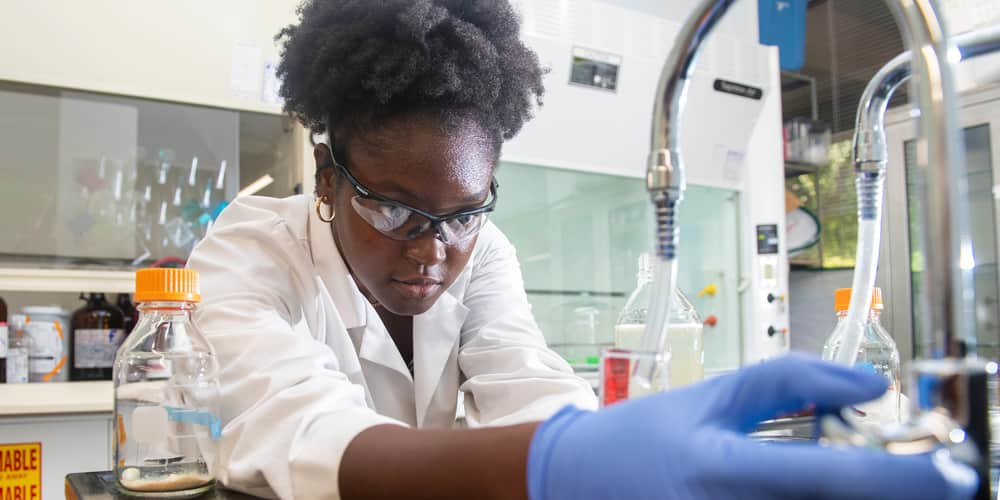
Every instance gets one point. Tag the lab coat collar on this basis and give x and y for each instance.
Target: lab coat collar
(377, 345)
(435, 341)
(333, 271)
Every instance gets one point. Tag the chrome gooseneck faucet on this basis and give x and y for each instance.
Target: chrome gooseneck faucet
(948, 384)
(869, 147)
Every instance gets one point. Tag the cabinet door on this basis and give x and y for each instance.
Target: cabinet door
(103, 181)
(69, 444)
(980, 118)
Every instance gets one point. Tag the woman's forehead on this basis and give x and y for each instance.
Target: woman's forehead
(419, 163)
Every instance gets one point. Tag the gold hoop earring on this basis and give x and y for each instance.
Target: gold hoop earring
(319, 210)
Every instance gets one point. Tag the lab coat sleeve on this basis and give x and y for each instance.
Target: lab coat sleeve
(288, 412)
(511, 376)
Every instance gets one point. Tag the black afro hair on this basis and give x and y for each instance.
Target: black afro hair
(357, 63)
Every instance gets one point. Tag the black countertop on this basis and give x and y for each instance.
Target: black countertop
(101, 486)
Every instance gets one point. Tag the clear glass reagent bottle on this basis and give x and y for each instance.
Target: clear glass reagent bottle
(166, 393)
(877, 353)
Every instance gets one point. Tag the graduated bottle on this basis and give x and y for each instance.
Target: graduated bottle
(166, 393)
(684, 338)
(877, 353)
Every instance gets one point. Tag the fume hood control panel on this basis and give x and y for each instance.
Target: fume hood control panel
(771, 328)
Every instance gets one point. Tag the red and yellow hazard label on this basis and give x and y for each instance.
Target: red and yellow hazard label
(21, 471)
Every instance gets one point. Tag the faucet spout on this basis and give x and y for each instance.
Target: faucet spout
(869, 148)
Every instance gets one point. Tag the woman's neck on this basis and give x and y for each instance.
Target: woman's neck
(400, 328)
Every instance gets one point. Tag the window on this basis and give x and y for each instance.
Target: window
(830, 195)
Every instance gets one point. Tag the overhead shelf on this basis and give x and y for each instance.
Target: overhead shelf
(56, 398)
(66, 280)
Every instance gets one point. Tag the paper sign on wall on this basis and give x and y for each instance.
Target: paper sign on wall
(245, 75)
(21, 471)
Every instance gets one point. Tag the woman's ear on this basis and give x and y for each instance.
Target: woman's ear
(321, 153)
(324, 172)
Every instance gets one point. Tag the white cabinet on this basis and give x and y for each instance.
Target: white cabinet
(70, 443)
(210, 53)
(71, 421)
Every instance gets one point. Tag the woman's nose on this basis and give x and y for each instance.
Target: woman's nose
(426, 250)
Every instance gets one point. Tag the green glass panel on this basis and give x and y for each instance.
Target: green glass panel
(579, 236)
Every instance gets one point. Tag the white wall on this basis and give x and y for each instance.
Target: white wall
(595, 130)
(179, 50)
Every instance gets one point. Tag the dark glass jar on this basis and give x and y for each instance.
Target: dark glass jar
(124, 303)
(97, 331)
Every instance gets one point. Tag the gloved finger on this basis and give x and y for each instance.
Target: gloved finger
(792, 383)
(786, 470)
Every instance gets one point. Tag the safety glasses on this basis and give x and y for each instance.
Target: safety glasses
(402, 222)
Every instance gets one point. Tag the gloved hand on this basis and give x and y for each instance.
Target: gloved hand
(691, 443)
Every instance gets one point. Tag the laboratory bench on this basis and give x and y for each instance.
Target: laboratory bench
(101, 486)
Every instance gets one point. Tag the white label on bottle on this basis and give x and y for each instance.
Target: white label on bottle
(149, 425)
(46, 348)
(17, 366)
(95, 348)
(3, 341)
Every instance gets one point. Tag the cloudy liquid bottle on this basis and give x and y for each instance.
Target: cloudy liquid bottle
(685, 345)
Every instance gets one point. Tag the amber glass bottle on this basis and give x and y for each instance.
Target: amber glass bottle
(124, 302)
(97, 332)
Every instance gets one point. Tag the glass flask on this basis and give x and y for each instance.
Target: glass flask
(877, 353)
(166, 393)
(684, 340)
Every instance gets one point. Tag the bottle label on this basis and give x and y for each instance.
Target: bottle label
(3, 341)
(46, 349)
(17, 366)
(95, 348)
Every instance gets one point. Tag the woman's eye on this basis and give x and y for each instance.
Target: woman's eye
(467, 220)
(394, 216)
(392, 211)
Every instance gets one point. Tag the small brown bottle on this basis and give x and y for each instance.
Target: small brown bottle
(124, 302)
(97, 332)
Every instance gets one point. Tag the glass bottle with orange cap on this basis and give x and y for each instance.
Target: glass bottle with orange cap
(877, 353)
(166, 393)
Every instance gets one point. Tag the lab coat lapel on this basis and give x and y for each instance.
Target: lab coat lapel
(333, 271)
(377, 345)
(336, 282)
(435, 342)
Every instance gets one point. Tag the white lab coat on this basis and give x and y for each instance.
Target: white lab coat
(307, 363)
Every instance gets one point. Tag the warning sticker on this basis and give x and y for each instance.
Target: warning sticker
(21, 471)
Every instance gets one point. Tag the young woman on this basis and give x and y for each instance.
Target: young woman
(348, 322)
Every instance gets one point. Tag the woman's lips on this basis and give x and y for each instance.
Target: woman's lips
(416, 289)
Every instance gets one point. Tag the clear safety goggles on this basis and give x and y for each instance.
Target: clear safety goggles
(400, 221)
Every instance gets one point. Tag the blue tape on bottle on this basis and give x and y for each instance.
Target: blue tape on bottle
(865, 366)
(197, 417)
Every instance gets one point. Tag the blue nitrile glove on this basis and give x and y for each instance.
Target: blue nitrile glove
(691, 443)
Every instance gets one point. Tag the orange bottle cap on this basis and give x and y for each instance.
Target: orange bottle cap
(167, 285)
(842, 299)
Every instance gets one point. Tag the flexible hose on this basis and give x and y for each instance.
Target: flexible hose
(869, 187)
(654, 337)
